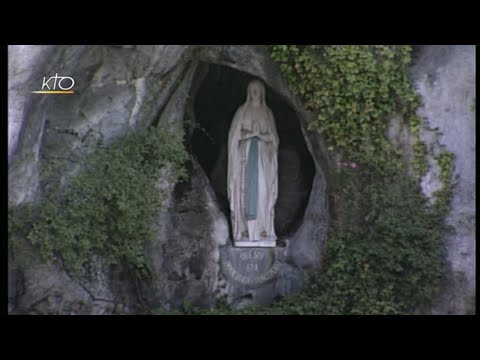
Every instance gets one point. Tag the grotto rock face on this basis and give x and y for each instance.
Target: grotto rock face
(119, 90)
(444, 76)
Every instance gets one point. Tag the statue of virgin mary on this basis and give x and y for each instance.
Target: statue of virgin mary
(252, 180)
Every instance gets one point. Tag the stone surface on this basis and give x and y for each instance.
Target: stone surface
(120, 89)
(305, 246)
(48, 290)
(185, 254)
(295, 186)
(24, 75)
(444, 76)
(251, 274)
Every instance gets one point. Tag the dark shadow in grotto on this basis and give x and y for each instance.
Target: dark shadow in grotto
(221, 92)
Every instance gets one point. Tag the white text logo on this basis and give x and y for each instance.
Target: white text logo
(56, 85)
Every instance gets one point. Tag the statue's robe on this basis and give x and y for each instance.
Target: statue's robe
(253, 173)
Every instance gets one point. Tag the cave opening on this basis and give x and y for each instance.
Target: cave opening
(220, 91)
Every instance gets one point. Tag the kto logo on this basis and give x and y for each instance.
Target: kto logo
(56, 85)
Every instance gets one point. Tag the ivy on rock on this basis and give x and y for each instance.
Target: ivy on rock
(107, 209)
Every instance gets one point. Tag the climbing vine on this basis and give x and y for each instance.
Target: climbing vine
(353, 90)
(106, 209)
(444, 194)
(385, 254)
(420, 158)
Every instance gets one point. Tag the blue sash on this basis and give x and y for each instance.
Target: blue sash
(251, 181)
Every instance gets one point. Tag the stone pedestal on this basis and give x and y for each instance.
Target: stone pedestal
(259, 243)
(257, 275)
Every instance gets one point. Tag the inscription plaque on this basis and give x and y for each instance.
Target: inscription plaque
(250, 266)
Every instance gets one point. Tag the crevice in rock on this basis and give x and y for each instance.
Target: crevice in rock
(172, 89)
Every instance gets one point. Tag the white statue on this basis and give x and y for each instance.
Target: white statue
(252, 181)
